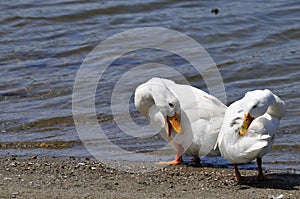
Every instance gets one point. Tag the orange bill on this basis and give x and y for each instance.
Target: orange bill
(173, 123)
(246, 123)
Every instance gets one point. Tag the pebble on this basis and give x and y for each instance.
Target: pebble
(14, 194)
(33, 157)
(80, 164)
(93, 168)
(277, 197)
(88, 167)
(13, 158)
(13, 164)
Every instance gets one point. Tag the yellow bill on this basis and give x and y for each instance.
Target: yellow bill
(246, 123)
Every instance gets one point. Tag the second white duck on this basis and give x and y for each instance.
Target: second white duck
(249, 128)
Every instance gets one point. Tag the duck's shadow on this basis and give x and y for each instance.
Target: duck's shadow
(282, 181)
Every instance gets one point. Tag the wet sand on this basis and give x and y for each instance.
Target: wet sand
(48, 177)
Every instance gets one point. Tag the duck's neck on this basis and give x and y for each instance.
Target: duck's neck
(147, 102)
(277, 109)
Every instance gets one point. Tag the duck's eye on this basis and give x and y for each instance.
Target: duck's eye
(170, 104)
(254, 106)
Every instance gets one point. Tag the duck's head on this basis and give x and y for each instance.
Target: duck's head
(255, 104)
(169, 106)
(173, 117)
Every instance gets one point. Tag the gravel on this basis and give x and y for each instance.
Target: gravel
(49, 177)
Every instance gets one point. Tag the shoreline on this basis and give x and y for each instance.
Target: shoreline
(50, 177)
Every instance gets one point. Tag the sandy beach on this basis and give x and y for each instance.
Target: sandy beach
(49, 177)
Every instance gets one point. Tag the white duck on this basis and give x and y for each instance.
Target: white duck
(249, 128)
(191, 117)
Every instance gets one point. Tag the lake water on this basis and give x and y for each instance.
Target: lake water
(255, 45)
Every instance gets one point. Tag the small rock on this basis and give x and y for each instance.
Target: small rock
(72, 158)
(93, 168)
(13, 158)
(89, 167)
(277, 197)
(33, 157)
(14, 194)
(13, 164)
(80, 164)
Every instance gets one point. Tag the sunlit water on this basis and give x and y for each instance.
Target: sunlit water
(255, 46)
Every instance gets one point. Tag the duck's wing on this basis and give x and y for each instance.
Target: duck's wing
(242, 149)
(228, 134)
(205, 115)
(263, 129)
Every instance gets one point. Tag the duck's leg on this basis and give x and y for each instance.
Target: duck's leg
(260, 171)
(178, 156)
(196, 159)
(237, 172)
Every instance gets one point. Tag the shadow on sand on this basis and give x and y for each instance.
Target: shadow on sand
(283, 181)
(273, 181)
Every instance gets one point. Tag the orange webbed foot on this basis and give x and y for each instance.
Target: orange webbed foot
(174, 162)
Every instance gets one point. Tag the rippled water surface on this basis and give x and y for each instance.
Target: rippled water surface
(255, 45)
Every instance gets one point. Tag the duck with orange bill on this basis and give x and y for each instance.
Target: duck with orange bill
(187, 117)
(249, 128)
